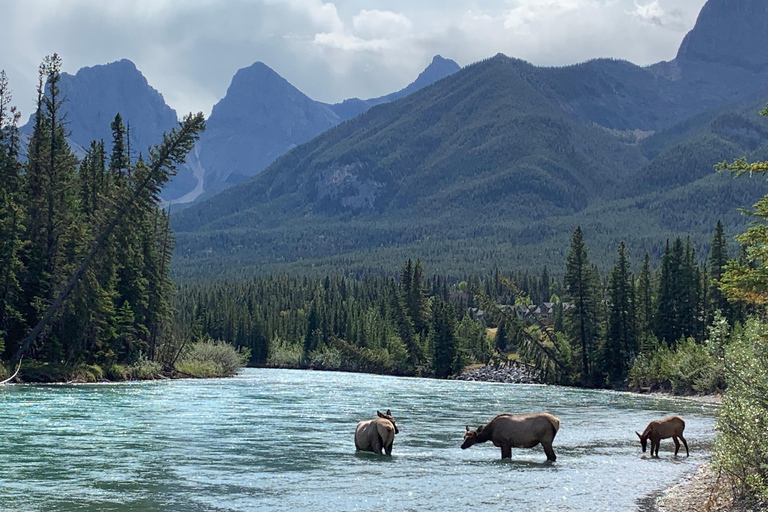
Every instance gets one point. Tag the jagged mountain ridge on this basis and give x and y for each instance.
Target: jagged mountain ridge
(241, 139)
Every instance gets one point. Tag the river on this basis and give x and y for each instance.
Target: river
(283, 440)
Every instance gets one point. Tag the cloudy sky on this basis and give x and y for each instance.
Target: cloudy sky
(190, 49)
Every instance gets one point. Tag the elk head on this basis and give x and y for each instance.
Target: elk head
(470, 437)
(388, 416)
(643, 440)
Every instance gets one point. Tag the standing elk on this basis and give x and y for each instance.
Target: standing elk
(671, 426)
(373, 435)
(516, 431)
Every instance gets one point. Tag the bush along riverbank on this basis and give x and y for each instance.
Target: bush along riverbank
(201, 359)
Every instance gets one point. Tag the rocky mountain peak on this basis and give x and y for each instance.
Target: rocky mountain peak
(729, 32)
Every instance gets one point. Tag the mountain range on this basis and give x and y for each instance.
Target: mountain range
(488, 166)
(261, 117)
(496, 164)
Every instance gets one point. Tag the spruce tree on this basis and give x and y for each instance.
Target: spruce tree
(621, 340)
(644, 306)
(442, 339)
(11, 218)
(718, 258)
(582, 313)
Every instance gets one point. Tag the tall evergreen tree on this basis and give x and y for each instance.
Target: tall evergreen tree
(582, 315)
(644, 306)
(11, 217)
(442, 339)
(718, 258)
(621, 340)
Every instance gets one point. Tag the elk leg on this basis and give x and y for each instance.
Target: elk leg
(388, 449)
(655, 444)
(549, 451)
(376, 445)
(506, 451)
(677, 444)
(686, 446)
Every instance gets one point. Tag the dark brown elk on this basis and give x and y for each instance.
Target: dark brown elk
(376, 434)
(657, 430)
(516, 431)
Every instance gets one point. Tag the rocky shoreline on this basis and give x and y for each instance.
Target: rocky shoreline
(702, 490)
(510, 374)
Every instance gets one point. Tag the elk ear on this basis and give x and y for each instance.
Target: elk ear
(480, 429)
(638, 435)
(388, 413)
(467, 428)
(380, 415)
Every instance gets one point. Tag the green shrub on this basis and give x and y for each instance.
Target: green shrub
(86, 373)
(212, 359)
(689, 368)
(283, 354)
(144, 369)
(38, 371)
(741, 448)
(117, 372)
(325, 358)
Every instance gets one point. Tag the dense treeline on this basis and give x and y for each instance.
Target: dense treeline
(85, 248)
(591, 334)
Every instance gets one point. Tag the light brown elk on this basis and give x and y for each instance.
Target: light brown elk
(516, 431)
(376, 434)
(671, 426)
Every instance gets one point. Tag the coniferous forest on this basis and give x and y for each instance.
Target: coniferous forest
(85, 289)
(581, 328)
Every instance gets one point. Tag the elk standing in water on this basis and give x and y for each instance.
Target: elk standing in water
(671, 426)
(375, 434)
(516, 431)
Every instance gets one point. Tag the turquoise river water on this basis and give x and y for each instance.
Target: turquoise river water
(283, 440)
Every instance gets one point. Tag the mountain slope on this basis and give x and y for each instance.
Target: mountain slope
(263, 116)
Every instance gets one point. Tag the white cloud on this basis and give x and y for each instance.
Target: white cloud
(654, 14)
(377, 24)
(528, 12)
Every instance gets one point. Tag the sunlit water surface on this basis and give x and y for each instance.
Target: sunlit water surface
(283, 440)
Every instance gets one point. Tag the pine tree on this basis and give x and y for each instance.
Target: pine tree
(11, 218)
(51, 197)
(621, 340)
(718, 258)
(645, 307)
(582, 315)
(442, 339)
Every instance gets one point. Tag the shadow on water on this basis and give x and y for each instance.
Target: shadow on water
(374, 457)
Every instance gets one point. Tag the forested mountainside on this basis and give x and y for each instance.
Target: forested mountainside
(496, 164)
(471, 181)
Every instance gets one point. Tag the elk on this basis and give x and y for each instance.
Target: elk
(373, 435)
(671, 426)
(516, 431)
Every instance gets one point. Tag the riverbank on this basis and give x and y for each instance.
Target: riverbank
(704, 490)
(201, 360)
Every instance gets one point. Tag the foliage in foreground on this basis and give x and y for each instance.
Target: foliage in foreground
(741, 448)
